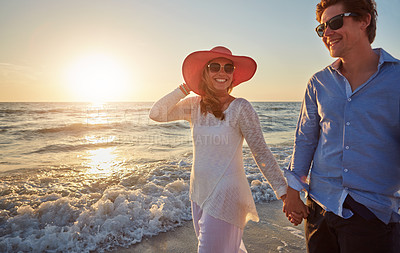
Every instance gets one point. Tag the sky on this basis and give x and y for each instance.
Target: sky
(132, 51)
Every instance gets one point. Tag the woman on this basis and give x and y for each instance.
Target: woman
(221, 198)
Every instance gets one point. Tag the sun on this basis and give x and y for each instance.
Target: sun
(98, 78)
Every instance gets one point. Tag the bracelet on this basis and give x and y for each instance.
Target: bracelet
(184, 89)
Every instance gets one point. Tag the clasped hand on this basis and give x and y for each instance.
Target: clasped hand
(293, 207)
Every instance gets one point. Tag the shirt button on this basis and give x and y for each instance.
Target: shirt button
(347, 147)
(349, 99)
(346, 170)
(347, 123)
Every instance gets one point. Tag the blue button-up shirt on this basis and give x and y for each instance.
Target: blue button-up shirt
(348, 142)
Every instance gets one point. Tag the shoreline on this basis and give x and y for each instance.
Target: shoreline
(273, 233)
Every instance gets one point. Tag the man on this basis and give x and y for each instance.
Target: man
(347, 146)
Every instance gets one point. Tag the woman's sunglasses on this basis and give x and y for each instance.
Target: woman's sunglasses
(334, 23)
(216, 67)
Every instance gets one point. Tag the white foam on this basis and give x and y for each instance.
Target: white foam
(292, 230)
(121, 217)
(69, 210)
(295, 231)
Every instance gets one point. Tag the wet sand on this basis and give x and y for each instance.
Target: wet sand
(273, 233)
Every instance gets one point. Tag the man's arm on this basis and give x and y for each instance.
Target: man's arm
(306, 141)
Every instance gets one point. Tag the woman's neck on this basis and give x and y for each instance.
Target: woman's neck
(222, 96)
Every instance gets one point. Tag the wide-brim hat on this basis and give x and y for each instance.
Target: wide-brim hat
(194, 63)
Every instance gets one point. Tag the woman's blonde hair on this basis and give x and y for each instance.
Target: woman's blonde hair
(209, 101)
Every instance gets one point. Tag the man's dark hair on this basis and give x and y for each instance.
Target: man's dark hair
(360, 7)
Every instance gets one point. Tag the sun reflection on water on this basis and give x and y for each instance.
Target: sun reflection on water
(92, 139)
(102, 162)
(97, 114)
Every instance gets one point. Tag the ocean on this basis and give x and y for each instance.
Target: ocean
(80, 177)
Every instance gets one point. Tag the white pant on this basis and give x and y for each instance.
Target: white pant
(214, 235)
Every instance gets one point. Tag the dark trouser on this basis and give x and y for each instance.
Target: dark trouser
(329, 233)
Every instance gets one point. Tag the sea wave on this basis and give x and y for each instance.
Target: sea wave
(68, 210)
(136, 110)
(11, 111)
(67, 148)
(75, 110)
(7, 112)
(177, 125)
(5, 128)
(76, 127)
(85, 127)
(119, 217)
(263, 108)
(68, 199)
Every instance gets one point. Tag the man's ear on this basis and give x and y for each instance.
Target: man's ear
(365, 21)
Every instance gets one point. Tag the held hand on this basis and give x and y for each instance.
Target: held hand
(295, 218)
(294, 207)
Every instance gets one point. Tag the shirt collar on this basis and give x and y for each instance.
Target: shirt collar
(383, 57)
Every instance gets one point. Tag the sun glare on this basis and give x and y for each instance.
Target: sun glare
(98, 78)
(102, 161)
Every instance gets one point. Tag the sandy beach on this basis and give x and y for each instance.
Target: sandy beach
(273, 233)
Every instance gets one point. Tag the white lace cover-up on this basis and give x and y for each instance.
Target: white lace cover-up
(218, 183)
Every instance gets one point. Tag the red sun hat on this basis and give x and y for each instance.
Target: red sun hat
(194, 63)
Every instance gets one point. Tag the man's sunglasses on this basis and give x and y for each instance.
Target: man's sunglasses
(334, 23)
(216, 67)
